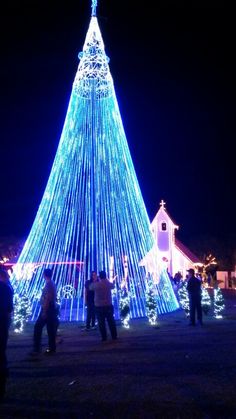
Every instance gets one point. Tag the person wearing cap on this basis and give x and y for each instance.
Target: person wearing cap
(195, 295)
(103, 305)
(47, 316)
(6, 309)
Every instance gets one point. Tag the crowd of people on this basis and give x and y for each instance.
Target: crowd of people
(100, 309)
(207, 279)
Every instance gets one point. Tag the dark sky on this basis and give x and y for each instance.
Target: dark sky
(174, 75)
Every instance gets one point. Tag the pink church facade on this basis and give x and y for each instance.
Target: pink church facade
(178, 258)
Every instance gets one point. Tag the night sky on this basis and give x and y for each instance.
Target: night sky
(174, 74)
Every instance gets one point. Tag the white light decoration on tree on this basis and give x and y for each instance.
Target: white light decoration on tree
(124, 307)
(124, 294)
(218, 303)
(206, 301)
(92, 209)
(184, 297)
(24, 270)
(22, 312)
(151, 302)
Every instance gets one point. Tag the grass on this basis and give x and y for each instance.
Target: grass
(168, 371)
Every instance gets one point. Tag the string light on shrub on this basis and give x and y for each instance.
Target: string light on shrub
(151, 302)
(184, 297)
(206, 301)
(124, 294)
(219, 304)
(124, 307)
(22, 312)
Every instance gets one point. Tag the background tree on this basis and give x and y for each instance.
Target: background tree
(222, 248)
(10, 248)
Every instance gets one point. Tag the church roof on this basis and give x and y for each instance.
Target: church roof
(191, 256)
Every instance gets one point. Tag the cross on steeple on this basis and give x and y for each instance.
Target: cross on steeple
(162, 204)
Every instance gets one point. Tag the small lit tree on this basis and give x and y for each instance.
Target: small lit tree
(184, 297)
(22, 312)
(124, 307)
(218, 303)
(206, 301)
(151, 302)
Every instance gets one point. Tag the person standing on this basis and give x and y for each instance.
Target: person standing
(103, 305)
(47, 316)
(195, 295)
(6, 309)
(89, 301)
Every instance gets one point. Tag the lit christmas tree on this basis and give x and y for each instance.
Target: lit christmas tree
(92, 208)
(184, 297)
(22, 312)
(124, 294)
(151, 302)
(124, 307)
(206, 301)
(219, 304)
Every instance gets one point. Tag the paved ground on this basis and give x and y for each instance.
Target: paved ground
(169, 371)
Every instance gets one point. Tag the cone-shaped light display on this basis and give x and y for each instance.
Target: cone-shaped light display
(92, 215)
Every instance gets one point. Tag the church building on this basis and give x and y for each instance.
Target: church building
(176, 256)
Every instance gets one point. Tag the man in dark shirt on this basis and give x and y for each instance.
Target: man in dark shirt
(6, 309)
(103, 305)
(195, 295)
(89, 301)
